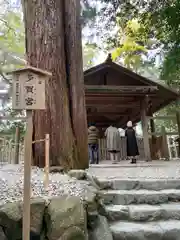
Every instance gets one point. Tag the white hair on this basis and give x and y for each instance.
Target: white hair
(129, 124)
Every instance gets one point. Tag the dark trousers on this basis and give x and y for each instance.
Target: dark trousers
(93, 153)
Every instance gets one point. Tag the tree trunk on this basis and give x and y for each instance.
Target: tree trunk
(65, 115)
(73, 51)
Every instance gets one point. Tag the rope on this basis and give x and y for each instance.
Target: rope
(41, 140)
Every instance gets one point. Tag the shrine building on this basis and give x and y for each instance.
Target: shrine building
(115, 94)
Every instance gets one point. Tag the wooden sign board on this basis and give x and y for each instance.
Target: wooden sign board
(29, 89)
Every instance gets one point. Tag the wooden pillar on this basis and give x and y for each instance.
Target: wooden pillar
(152, 125)
(150, 114)
(17, 139)
(178, 125)
(153, 138)
(4, 149)
(165, 151)
(144, 121)
(152, 128)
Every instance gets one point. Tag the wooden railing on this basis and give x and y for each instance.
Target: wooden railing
(8, 151)
(159, 144)
(104, 154)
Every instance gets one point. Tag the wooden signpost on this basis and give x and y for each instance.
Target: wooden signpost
(17, 140)
(46, 182)
(28, 94)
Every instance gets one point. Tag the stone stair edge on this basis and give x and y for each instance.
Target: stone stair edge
(135, 184)
(137, 179)
(111, 206)
(143, 212)
(142, 191)
(134, 225)
(126, 197)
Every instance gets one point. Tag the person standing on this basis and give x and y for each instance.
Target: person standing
(93, 136)
(113, 142)
(132, 147)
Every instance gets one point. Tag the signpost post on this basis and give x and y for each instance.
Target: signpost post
(46, 161)
(29, 95)
(17, 138)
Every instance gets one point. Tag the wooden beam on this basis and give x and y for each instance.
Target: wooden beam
(124, 94)
(102, 124)
(122, 89)
(127, 115)
(114, 105)
(109, 95)
(111, 101)
(119, 122)
(112, 117)
(104, 120)
(131, 115)
(99, 114)
(124, 117)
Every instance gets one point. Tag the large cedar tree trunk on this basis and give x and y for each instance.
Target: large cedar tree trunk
(53, 43)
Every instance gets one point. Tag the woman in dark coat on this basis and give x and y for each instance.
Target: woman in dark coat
(132, 147)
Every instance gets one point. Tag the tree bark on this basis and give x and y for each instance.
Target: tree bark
(75, 77)
(65, 115)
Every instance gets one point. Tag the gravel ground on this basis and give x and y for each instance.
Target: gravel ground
(11, 184)
(11, 179)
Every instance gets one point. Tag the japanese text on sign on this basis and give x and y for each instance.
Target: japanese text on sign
(30, 94)
(17, 91)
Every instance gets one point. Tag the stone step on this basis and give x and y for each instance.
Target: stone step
(149, 184)
(161, 230)
(143, 212)
(124, 197)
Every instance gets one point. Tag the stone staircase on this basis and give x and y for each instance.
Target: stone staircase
(142, 209)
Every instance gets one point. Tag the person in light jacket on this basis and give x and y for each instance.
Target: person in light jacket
(113, 142)
(93, 136)
(132, 147)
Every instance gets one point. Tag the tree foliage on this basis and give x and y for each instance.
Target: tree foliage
(130, 50)
(160, 20)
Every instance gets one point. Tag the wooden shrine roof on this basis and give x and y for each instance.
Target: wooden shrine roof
(114, 94)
